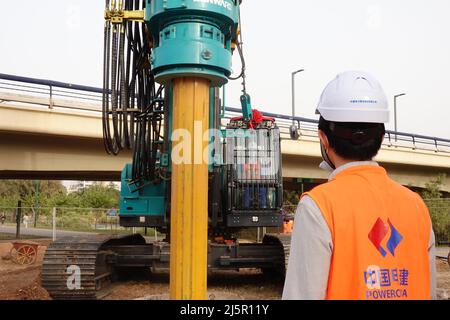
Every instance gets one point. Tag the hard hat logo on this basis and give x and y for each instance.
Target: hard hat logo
(354, 96)
(363, 101)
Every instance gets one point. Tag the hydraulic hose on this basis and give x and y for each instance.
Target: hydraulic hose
(105, 103)
(133, 104)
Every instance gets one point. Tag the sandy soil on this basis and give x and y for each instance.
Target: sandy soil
(248, 284)
(443, 279)
(22, 283)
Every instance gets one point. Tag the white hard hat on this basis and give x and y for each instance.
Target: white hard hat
(354, 96)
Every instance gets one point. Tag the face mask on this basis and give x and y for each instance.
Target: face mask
(326, 164)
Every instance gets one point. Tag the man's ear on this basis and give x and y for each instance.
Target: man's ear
(324, 139)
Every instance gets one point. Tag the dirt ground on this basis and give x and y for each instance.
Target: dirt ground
(443, 279)
(22, 283)
(248, 284)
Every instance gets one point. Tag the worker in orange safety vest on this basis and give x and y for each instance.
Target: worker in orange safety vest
(361, 235)
(288, 225)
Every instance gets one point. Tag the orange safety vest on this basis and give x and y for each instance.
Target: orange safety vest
(380, 232)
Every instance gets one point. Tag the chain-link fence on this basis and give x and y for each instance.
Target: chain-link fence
(44, 221)
(440, 215)
(107, 220)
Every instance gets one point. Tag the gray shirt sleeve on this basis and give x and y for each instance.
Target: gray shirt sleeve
(432, 259)
(310, 255)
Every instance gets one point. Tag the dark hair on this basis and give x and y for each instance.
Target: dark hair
(355, 141)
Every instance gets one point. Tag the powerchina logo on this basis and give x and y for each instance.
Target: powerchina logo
(222, 3)
(385, 283)
(379, 232)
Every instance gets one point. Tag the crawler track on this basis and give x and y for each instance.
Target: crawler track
(284, 243)
(89, 254)
(98, 260)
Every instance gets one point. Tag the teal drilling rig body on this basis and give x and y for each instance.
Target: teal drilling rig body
(150, 45)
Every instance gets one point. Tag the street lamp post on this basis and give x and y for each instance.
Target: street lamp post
(37, 185)
(395, 112)
(293, 129)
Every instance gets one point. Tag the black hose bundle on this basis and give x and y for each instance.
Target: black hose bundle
(133, 106)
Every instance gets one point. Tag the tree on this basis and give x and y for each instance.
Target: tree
(99, 196)
(32, 193)
(40, 194)
(439, 208)
(434, 187)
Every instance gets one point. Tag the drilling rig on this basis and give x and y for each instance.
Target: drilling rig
(195, 177)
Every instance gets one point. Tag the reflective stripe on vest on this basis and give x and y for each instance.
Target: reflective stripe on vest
(380, 233)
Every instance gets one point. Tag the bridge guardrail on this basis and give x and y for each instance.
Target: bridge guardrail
(54, 94)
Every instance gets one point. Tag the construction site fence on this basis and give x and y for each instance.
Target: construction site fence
(106, 220)
(95, 220)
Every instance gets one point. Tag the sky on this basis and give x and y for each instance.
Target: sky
(404, 43)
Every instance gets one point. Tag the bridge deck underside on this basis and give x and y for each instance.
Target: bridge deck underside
(31, 156)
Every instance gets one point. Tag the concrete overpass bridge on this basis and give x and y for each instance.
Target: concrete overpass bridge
(52, 130)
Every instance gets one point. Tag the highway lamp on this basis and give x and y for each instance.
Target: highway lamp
(37, 184)
(395, 112)
(293, 129)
